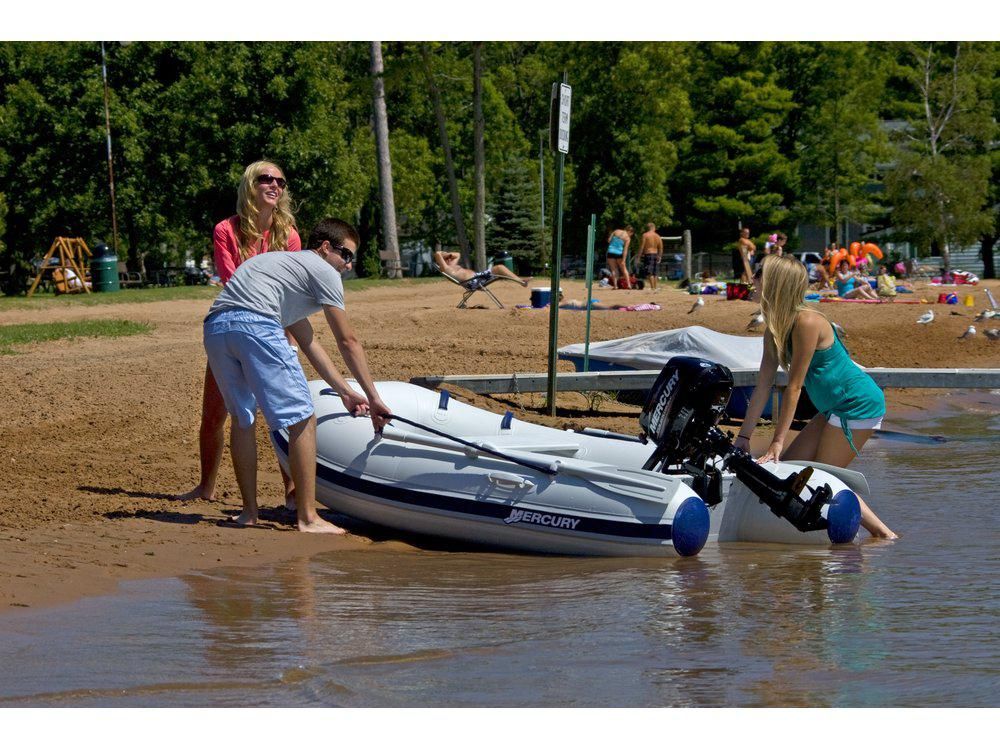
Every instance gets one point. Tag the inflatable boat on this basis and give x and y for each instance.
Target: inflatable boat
(447, 469)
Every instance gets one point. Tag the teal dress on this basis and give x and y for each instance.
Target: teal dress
(838, 386)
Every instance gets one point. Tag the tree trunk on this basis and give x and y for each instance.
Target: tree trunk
(479, 212)
(836, 215)
(986, 249)
(456, 206)
(390, 239)
(945, 244)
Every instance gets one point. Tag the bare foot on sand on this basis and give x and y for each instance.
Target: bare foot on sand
(319, 526)
(195, 494)
(290, 501)
(245, 519)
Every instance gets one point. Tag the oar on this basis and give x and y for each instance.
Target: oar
(478, 447)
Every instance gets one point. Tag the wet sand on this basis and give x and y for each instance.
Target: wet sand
(99, 434)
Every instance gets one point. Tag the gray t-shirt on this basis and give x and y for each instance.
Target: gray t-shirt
(285, 286)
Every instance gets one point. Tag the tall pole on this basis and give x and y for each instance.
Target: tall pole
(111, 169)
(554, 286)
(591, 238)
(541, 172)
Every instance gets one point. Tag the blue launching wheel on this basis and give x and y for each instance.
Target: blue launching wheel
(689, 530)
(843, 517)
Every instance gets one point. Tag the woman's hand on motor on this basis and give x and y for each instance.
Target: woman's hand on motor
(773, 453)
(742, 442)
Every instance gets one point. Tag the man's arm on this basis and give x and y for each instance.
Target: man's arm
(318, 358)
(354, 357)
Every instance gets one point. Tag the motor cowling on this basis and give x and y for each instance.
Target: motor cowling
(687, 400)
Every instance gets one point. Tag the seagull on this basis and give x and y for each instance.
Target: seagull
(993, 334)
(756, 322)
(698, 303)
(985, 315)
(969, 333)
(927, 317)
(840, 329)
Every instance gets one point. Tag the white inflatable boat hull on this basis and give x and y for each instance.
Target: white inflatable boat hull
(600, 502)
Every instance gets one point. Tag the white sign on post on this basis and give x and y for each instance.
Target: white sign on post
(565, 99)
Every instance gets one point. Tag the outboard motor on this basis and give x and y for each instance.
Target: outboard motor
(681, 415)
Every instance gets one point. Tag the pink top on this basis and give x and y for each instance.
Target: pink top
(227, 247)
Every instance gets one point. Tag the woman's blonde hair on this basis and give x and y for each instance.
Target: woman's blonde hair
(782, 295)
(282, 221)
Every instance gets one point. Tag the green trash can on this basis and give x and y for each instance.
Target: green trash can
(505, 259)
(104, 270)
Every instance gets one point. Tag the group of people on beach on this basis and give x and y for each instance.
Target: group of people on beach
(260, 320)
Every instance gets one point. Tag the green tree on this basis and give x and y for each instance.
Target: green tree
(629, 111)
(731, 168)
(988, 241)
(52, 131)
(837, 132)
(939, 184)
(513, 210)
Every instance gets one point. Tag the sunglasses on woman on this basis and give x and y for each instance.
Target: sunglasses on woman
(267, 179)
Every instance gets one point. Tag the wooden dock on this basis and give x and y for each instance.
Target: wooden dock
(641, 380)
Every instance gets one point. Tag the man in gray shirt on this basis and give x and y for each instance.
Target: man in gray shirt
(255, 366)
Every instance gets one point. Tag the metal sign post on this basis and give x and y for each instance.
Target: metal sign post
(562, 96)
(591, 237)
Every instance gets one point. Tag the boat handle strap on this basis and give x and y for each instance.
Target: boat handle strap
(503, 479)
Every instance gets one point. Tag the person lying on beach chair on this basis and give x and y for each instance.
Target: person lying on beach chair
(449, 266)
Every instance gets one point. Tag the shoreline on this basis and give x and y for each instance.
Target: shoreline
(99, 434)
(65, 562)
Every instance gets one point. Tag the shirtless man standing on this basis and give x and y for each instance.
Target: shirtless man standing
(651, 253)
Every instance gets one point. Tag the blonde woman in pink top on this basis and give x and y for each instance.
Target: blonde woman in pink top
(263, 223)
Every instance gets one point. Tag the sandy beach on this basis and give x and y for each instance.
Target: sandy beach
(100, 434)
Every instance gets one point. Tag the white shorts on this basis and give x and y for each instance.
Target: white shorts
(856, 424)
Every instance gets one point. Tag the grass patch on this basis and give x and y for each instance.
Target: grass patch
(48, 300)
(31, 333)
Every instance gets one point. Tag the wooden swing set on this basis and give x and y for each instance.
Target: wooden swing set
(69, 274)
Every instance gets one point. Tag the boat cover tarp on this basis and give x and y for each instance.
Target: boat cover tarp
(650, 351)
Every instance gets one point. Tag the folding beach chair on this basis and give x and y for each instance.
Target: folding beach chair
(477, 283)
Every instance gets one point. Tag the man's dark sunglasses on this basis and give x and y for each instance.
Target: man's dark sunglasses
(346, 254)
(267, 179)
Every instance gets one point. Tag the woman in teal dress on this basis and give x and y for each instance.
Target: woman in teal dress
(850, 405)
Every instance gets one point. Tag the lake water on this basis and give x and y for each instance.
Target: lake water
(911, 623)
